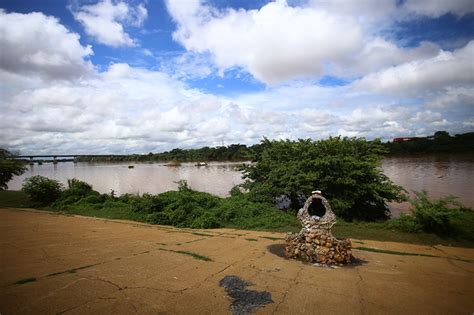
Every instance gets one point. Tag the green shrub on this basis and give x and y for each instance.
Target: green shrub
(235, 191)
(147, 203)
(434, 216)
(241, 212)
(94, 199)
(158, 218)
(76, 191)
(405, 223)
(42, 189)
(182, 208)
(346, 170)
(444, 216)
(78, 187)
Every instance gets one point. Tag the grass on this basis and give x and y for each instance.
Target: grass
(111, 210)
(391, 252)
(72, 270)
(202, 234)
(272, 238)
(23, 281)
(15, 199)
(200, 210)
(252, 239)
(185, 252)
(379, 232)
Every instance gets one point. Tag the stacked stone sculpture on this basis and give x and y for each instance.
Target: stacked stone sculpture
(315, 242)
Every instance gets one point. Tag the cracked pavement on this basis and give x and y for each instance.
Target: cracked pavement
(77, 265)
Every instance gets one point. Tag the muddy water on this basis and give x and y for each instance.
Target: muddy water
(440, 176)
(216, 178)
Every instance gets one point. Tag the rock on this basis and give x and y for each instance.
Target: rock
(315, 242)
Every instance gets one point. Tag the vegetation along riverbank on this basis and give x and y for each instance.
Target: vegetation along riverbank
(440, 142)
(346, 170)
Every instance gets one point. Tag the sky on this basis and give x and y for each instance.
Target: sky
(121, 77)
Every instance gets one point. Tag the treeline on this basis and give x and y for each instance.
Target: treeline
(440, 142)
(234, 152)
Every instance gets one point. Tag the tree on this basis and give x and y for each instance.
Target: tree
(9, 167)
(42, 189)
(441, 135)
(345, 169)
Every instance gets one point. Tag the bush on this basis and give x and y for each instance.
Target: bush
(42, 189)
(78, 187)
(76, 191)
(346, 170)
(444, 216)
(182, 208)
(94, 199)
(235, 191)
(434, 216)
(405, 223)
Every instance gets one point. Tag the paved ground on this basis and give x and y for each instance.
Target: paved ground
(75, 265)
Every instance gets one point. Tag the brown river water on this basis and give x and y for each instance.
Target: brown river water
(439, 175)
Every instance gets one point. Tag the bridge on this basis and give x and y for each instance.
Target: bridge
(72, 157)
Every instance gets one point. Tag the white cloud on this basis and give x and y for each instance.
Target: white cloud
(105, 21)
(275, 43)
(436, 8)
(444, 70)
(34, 43)
(188, 66)
(378, 54)
(453, 97)
(126, 109)
(278, 42)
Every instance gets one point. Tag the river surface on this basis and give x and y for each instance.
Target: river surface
(439, 175)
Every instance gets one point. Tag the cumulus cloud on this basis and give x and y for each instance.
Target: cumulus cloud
(124, 109)
(437, 8)
(279, 42)
(105, 21)
(453, 97)
(127, 109)
(443, 70)
(274, 43)
(34, 43)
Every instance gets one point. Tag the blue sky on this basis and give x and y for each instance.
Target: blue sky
(137, 76)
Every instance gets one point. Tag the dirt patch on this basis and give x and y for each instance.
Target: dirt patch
(244, 301)
(132, 275)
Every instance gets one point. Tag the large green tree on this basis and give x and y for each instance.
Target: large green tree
(9, 167)
(347, 170)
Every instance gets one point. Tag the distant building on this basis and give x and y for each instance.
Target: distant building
(407, 139)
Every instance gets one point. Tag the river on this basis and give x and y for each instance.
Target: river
(439, 175)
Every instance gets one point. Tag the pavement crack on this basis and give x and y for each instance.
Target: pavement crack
(450, 259)
(290, 286)
(106, 281)
(359, 289)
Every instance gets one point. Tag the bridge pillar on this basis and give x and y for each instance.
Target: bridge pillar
(55, 161)
(31, 160)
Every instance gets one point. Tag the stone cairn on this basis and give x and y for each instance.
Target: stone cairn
(315, 242)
